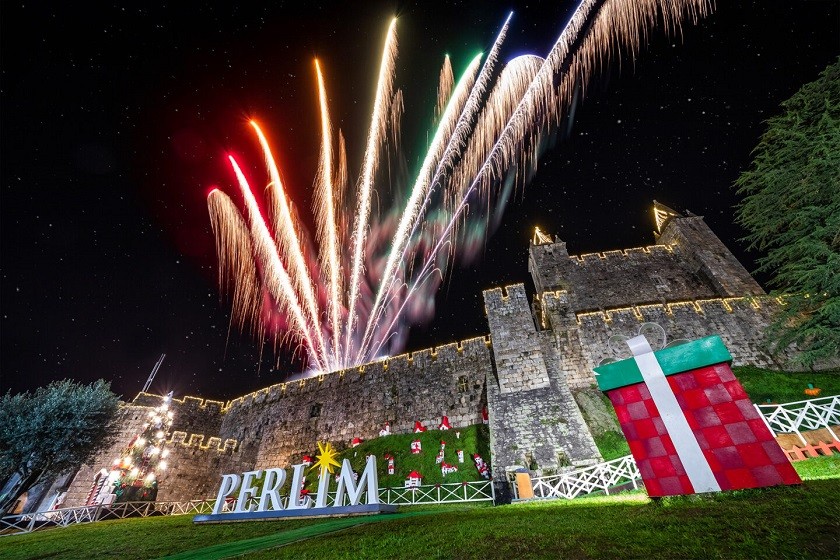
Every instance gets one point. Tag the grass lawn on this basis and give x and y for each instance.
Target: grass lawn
(782, 387)
(781, 522)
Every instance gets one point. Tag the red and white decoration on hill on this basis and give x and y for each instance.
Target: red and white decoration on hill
(444, 424)
(460, 455)
(306, 460)
(439, 458)
(414, 480)
(416, 447)
(357, 441)
(419, 427)
(390, 458)
(446, 469)
(690, 425)
(386, 430)
(482, 467)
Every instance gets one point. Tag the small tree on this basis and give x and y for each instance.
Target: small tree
(53, 430)
(791, 209)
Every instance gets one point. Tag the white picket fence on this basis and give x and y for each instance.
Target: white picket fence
(457, 492)
(795, 417)
(600, 477)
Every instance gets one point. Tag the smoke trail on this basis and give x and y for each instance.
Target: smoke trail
(327, 227)
(375, 134)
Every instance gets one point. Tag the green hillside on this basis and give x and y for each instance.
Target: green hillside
(473, 439)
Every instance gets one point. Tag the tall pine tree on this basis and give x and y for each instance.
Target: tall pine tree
(791, 209)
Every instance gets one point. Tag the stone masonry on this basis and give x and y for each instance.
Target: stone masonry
(277, 425)
(534, 420)
(286, 420)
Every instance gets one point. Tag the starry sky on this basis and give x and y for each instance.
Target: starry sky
(115, 119)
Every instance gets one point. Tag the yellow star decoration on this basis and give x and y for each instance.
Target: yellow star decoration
(326, 458)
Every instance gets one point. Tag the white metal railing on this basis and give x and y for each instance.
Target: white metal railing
(601, 477)
(28, 522)
(794, 417)
(457, 492)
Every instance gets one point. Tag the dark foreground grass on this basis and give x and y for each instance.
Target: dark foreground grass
(785, 522)
(781, 522)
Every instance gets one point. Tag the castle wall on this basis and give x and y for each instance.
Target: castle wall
(424, 386)
(617, 278)
(276, 425)
(199, 417)
(583, 338)
(518, 352)
(196, 465)
(706, 254)
(688, 262)
(192, 415)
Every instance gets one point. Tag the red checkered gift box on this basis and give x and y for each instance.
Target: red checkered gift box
(689, 423)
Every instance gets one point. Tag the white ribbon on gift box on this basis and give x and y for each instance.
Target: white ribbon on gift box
(696, 467)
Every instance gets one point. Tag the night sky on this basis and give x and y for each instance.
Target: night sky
(115, 119)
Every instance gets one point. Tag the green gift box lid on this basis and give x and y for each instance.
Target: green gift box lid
(676, 359)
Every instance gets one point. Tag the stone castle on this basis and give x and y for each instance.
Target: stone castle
(531, 376)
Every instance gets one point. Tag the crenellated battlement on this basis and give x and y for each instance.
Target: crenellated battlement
(214, 443)
(206, 405)
(585, 258)
(451, 353)
(505, 298)
(468, 349)
(700, 307)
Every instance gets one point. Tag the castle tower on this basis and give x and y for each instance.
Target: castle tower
(705, 253)
(534, 420)
(688, 262)
(688, 282)
(547, 262)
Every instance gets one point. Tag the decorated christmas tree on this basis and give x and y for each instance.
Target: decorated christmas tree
(136, 471)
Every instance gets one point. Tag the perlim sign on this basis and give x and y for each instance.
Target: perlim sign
(347, 500)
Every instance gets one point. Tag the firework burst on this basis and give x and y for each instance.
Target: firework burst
(376, 271)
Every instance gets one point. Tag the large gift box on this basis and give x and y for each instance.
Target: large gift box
(689, 423)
